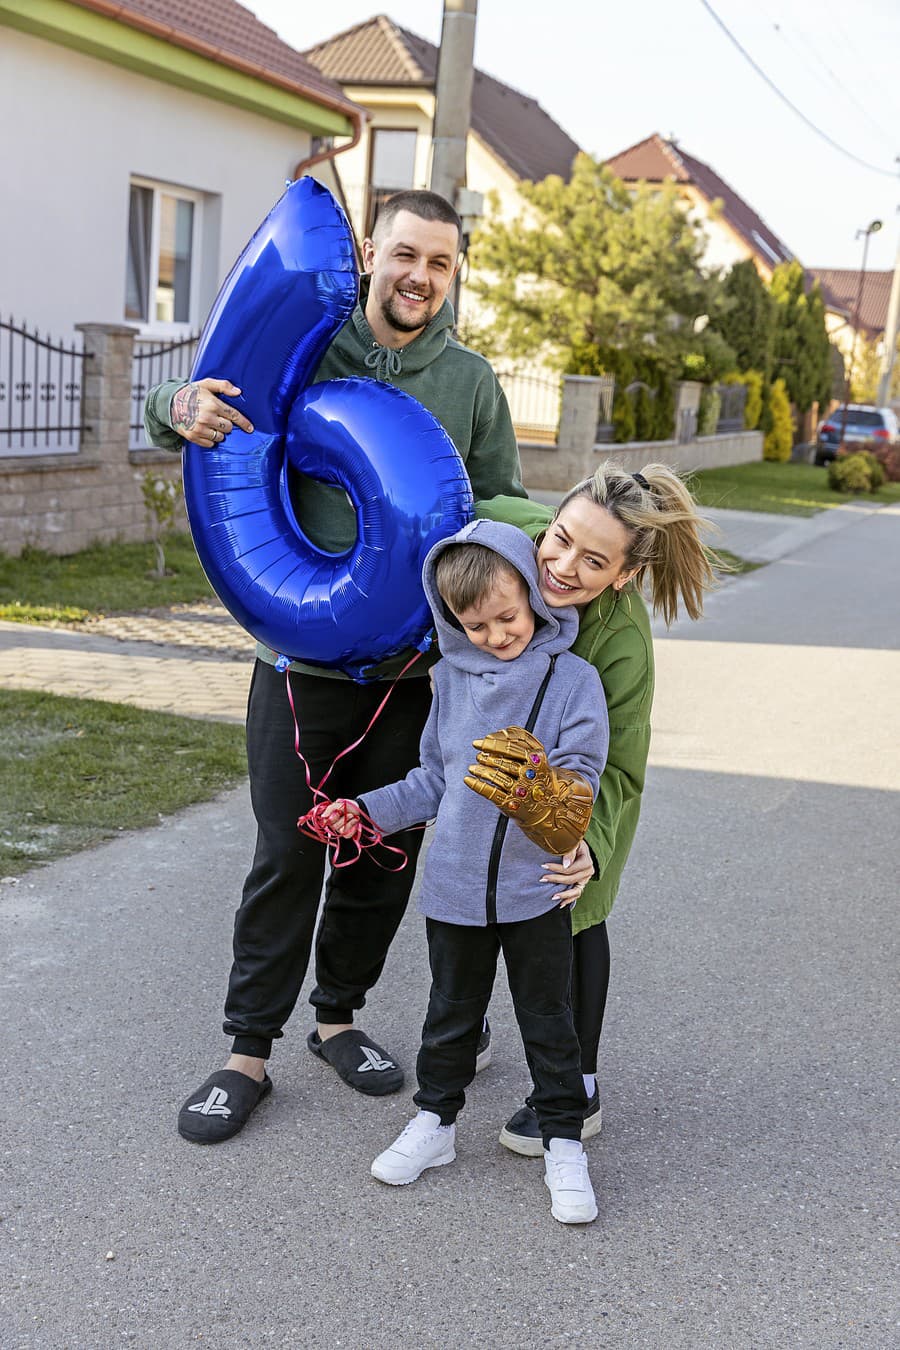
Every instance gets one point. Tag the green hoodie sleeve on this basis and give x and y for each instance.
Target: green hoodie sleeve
(493, 459)
(157, 411)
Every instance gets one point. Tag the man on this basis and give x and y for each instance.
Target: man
(400, 332)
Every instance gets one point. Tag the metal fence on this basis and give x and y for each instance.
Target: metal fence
(40, 393)
(155, 361)
(731, 413)
(534, 399)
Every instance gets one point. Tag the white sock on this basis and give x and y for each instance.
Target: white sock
(565, 1148)
(432, 1120)
(484, 1026)
(590, 1083)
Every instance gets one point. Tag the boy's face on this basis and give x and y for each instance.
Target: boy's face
(502, 623)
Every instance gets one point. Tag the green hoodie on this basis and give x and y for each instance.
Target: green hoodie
(453, 382)
(614, 637)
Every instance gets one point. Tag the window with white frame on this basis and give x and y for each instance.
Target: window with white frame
(162, 268)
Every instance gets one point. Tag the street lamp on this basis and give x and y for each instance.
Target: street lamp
(872, 228)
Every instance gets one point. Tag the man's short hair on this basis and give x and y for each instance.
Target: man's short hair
(465, 574)
(425, 205)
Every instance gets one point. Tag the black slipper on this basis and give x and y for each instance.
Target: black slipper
(359, 1061)
(221, 1106)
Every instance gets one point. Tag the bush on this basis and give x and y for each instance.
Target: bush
(888, 456)
(622, 416)
(643, 414)
(708, 414)
(851, 474)
(664, 411)
(780, 439)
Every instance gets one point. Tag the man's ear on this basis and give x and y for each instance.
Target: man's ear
(368, 255)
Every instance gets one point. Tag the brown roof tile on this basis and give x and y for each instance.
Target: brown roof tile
(232, 34)
(513, 125)
(839, 289)
(655, 159)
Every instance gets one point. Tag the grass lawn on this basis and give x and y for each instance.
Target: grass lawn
(783, 489)
(106, 579)
(75, 771)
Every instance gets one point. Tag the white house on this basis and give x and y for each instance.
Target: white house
(142, 143)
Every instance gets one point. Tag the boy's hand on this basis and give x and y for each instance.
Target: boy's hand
(342, 817)
(551, 806)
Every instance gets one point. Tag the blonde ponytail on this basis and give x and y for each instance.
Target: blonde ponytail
(664, 527)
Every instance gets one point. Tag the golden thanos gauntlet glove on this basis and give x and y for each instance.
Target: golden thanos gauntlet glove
(551, 806)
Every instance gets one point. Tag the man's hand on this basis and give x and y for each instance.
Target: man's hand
(198, 416)
(551, 806)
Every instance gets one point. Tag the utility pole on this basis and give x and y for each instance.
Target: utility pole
(452, 115)
(890, 337)
(872, 228)
(453, 98)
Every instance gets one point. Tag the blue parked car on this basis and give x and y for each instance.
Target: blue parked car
(863, 423)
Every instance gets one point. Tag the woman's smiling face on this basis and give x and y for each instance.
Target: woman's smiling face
(581, 554)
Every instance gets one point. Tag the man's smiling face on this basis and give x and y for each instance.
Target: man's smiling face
(411, 265)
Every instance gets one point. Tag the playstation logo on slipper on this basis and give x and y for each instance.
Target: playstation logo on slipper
(373, 1061)
(214, 1104)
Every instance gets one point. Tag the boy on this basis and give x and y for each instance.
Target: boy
(504, 663)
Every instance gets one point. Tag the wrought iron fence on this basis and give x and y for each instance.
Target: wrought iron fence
(154, 361)
(40, 392)
(534, 402)
(731, 413)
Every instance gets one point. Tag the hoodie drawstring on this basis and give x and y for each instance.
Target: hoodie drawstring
(385, 362)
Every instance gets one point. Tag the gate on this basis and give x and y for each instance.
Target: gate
(40, 393)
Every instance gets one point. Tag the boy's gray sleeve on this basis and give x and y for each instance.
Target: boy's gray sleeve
(157, 413)
(416, 797)
(583, 741)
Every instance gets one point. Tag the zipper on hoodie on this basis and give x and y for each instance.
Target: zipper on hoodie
(490, 895)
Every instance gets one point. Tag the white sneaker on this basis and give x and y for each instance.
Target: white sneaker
(424, 1143)
(571, 1194)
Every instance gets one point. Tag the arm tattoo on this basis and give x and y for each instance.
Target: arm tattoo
(184, 408)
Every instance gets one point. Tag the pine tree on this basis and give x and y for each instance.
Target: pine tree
(592, 263)
(746, 319)
(801, 355)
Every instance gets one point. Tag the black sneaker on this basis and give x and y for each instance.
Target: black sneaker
(593, 1117)
(522, 1134)
(483, 1057)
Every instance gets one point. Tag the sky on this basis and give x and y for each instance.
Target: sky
(613, 73)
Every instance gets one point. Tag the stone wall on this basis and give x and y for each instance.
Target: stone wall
(62, 503)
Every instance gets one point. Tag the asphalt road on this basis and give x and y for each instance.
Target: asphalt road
(743, 1171)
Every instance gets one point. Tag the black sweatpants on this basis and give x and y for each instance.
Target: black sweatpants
(590, 985)
(538, 956)
(274, 926)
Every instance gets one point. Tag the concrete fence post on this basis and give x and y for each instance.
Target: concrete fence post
(579, 415)
(106, 395)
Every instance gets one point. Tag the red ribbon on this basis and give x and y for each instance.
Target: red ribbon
(367, 835)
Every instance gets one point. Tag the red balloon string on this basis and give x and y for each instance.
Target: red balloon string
(366, 836)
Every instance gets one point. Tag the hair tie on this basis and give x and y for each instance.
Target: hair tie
(641, 481)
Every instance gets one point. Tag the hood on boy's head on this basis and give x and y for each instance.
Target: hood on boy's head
(555, 629)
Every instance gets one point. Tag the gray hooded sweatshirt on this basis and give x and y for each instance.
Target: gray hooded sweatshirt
(476, 873)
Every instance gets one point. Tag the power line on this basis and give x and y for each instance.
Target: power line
(888, 173)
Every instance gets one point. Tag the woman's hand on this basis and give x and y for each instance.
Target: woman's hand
(573, 871)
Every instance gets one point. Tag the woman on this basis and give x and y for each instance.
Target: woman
(614, 536)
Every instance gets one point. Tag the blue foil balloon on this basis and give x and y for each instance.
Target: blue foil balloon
(290, 291)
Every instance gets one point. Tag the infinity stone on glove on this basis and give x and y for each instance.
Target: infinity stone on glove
(551, 806)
